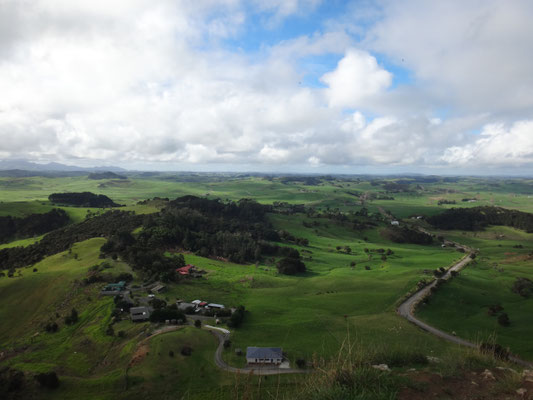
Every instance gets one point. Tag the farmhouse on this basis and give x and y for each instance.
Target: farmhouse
(139, 313)
(264, 355)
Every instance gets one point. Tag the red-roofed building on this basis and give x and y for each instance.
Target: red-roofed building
(186, 270)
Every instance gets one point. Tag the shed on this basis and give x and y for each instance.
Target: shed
(264, 355)
(394, 223)
(158, 288)
(140, 313)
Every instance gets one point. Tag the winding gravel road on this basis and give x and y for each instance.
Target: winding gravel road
(407, 310)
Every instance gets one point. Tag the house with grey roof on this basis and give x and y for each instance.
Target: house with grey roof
(264, 355)
(140, 313)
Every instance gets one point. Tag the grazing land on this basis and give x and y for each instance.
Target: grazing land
(356, 274)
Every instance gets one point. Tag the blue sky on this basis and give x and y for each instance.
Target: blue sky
(303, 85)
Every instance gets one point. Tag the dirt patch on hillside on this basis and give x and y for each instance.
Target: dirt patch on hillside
(482, 385)
(514, 259)
(139, 355)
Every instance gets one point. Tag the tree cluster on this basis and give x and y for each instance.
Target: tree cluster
(477, 218)
(62, 239)
(404, 234)
(83, 199)
(32, 225)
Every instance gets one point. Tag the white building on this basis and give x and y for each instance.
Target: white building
(264, 355)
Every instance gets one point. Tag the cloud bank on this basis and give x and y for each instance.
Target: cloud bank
(415, 83)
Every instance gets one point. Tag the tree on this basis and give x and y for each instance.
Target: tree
(237, 317)
(48, 379)
(198, 323)
(290, 266)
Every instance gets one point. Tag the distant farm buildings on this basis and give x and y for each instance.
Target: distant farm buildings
(158, 289)
(190, 271)
(114, 288)
(199, 306)
(264, 355)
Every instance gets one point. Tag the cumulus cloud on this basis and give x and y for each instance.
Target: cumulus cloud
(356, 78)
(497, 145)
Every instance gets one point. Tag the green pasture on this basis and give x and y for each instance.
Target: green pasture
(462, 304)
(309, 315)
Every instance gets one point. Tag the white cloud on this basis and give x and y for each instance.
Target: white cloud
(497, 145)
(356, 78)
(133, 82)
(474, 55)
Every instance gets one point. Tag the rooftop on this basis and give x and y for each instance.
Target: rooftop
(264, 352)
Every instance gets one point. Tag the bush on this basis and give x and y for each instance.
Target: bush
(523, 287)
(503, 319)
(48, 379)
(72, 318)
(51, 327)
(198, 323)
(300, 362)
(186, 351)
(494, 349)
(171, 353)
(227, 344)
(494, 309)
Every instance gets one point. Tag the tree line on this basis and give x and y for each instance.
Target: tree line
(83, 199)
(478, 218)
(33, 225)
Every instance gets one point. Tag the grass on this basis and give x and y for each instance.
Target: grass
(462, 304)
(307, 315)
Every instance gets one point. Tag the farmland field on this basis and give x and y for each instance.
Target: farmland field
(356, 277)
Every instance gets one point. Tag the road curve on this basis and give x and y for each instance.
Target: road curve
(407, 310)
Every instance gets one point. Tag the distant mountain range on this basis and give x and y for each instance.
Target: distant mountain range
(23, 165)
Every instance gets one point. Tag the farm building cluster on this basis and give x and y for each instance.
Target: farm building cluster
(199, 307)
(190, 271)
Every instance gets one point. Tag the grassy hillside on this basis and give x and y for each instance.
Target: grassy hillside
(463, 304)
(342, 293)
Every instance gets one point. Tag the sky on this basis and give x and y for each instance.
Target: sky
(269, 85)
